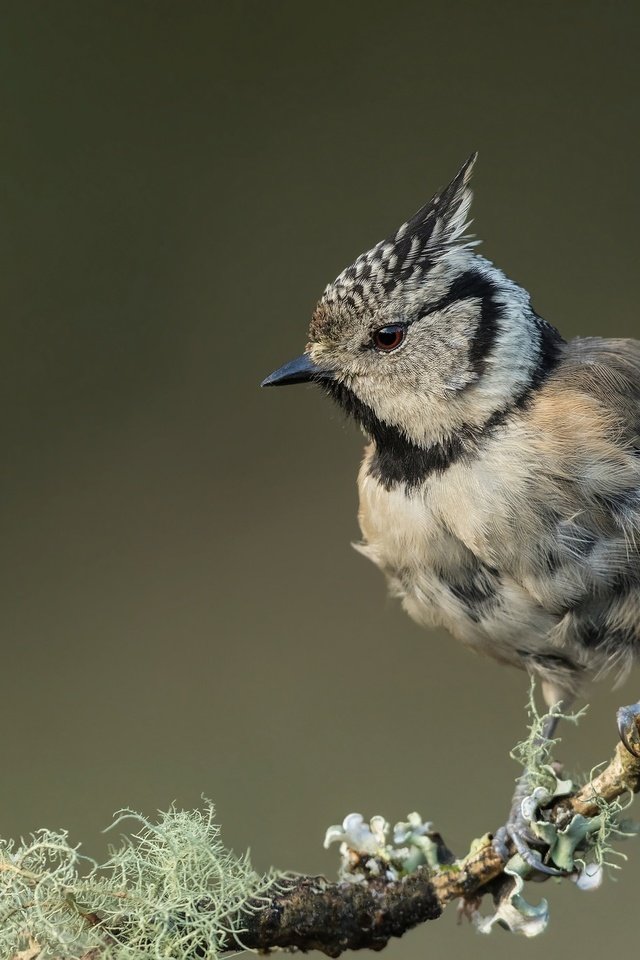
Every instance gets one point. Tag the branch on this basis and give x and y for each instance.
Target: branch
(313, 914)
(214, 902)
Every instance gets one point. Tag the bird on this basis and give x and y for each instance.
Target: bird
(499, 490)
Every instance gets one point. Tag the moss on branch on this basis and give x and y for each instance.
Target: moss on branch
(173, 890)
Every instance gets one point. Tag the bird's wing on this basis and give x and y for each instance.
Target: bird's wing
(579, 537)
(608, 370)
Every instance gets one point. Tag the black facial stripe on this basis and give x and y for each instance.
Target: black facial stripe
(473, 285)
(550, 345)
(399, 460)
(486, 332)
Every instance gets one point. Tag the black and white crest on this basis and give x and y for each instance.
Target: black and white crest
(470, 347)
(404, 258)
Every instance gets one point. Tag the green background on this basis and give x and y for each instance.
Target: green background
(181, 610)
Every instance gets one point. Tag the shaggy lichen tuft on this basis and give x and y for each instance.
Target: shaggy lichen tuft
(170, 890)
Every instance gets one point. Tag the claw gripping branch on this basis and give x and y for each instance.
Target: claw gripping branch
(173, 889)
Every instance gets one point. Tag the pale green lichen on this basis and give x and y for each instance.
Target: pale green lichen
(373, 849)
(582, 841)
(513, 912)
(534, 753)
(169, 890)
(609, 824)
(172, 890)
(581, 846)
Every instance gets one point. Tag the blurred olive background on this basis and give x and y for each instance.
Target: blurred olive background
(182, 613)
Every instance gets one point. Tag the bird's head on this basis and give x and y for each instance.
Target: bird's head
(414, 336)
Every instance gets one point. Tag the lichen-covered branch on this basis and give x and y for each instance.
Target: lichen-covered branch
(175, 891)
(620, 776)
(313, 914)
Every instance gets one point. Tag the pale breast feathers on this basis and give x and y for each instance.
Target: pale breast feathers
(538, 533)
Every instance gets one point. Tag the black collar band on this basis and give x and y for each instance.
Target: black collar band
(398, 460)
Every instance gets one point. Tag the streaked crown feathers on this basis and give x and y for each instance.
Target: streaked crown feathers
(403, 259)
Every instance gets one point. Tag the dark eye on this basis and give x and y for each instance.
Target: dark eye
(389, 338)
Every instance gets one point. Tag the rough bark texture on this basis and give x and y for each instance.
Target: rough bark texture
(310, 913)
(620, 776)
(333, 917)
(317, 915)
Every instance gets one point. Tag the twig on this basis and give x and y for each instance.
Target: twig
(310, 913)
(313, 914)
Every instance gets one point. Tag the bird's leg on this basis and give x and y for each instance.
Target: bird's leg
(516, 828)
(628, 719)
(523, 786)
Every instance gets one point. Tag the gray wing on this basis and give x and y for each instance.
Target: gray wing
(587, 566)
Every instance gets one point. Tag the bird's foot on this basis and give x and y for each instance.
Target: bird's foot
(523, 831)
(628, 720)
(517, 834)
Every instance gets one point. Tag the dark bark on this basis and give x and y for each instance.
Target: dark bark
(314, 914)
(310, 913)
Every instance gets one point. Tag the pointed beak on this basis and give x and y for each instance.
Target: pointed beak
(300, 370)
